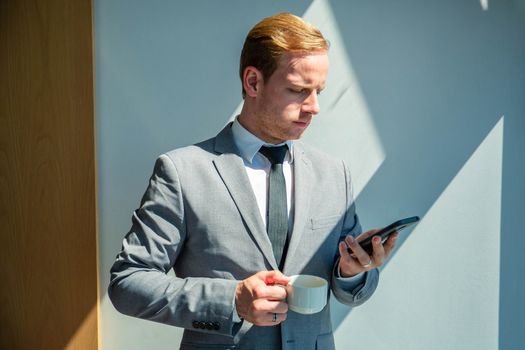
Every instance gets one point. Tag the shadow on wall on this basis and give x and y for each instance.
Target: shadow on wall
(422, 85)
(436, 78)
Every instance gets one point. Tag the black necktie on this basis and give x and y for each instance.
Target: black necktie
(276, 210)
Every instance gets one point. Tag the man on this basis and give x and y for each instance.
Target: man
(233, 221)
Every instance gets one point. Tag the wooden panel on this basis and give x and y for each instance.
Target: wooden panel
(47, 176)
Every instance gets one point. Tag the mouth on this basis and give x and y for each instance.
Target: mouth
(302, 124)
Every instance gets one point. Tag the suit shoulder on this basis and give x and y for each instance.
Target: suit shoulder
(318, 156)
(195, 151)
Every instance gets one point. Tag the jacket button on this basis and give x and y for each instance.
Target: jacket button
(202, 325)
(216, 326)
(195, 324)
(209, 326)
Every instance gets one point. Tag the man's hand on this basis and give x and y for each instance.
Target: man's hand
(360, 261)
(260, 300)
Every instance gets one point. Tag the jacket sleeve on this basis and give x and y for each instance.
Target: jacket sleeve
(140, 285)
(352, 291)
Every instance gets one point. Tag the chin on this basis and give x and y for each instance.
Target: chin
(295, 136)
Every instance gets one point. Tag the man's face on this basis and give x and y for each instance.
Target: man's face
(288, 100)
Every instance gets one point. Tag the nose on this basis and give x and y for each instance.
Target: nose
(311, 103)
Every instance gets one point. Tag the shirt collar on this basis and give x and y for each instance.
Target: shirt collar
(249, 144)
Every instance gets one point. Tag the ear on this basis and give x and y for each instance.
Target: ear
(252, 81)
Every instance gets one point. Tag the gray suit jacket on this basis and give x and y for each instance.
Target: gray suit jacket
(199, 216)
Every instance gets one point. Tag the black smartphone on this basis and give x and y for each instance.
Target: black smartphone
(385, 232)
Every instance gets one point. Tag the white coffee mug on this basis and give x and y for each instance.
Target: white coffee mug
(306, 294)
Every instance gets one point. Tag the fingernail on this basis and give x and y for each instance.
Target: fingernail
(350, 239)
(377, 239)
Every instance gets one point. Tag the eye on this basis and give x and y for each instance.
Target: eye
(296, 91)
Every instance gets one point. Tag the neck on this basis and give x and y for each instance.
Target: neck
(247, 119)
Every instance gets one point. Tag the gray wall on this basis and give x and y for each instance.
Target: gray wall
(425, 100)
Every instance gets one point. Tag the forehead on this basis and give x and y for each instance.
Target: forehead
(303, 68)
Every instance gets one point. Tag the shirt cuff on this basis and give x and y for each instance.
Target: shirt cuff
(235, 315)
(350, 282)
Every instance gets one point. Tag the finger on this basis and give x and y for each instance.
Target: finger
(344, 250)
(378, 251)
(279, 307)
(275, 277)
(276, 292)
(349, 266)
(360, 254)
(272, 292)
(390, 243)
(275, 318)
(347, 256)
(367, 234)
(269, 319)
(263, 306)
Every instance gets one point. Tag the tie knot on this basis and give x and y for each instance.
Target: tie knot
(274, 154)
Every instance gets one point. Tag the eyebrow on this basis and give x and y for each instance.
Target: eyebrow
(300, 86)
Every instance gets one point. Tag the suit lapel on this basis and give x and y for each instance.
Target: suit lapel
(303, 188)
(231, 169)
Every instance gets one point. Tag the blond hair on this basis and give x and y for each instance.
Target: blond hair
(272, 37)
